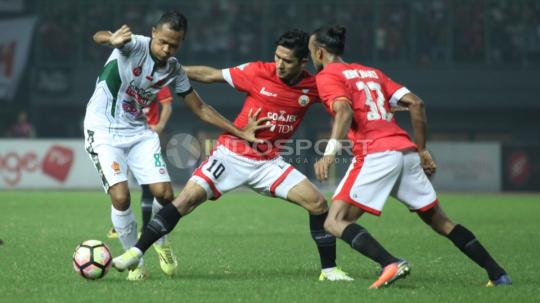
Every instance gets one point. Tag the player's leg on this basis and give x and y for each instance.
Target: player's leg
(212, 178)
(306, 195)
(467, 243)
(209, 181)
(148, 167)
(415, 190)
(341, 222)
(365, 188)
(162, 194)
(163, 223)
(147, 201)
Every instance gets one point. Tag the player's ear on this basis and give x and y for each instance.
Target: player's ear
(153, 32)
(321, 52)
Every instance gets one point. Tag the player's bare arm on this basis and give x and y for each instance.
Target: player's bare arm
(208, 114)
(117, 39)
(419, 124)
(166, 111)
(342, 123)
(204, 74)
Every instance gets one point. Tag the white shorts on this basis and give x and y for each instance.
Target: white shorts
(112, 155)
(224, 171)
(371, 179)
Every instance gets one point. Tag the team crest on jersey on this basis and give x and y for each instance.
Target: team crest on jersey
(137, 71)
(303, 100)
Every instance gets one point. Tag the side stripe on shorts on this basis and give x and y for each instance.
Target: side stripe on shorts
(95, 159)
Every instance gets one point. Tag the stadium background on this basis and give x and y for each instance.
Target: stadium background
(474, 62)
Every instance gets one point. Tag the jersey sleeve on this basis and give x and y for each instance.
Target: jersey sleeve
(181, 83)
(241, 76)
(331, 88)
(392, 90)
(164, 95)
(135, 44)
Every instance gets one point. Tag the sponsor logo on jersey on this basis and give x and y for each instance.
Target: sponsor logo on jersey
(137, 71)
(303, 100)
(131, 108)
(282, 116)
(140, 95)
(267, 93)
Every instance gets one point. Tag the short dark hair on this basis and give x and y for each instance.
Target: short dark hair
(297, 40)
(331, 38)
(175, 19)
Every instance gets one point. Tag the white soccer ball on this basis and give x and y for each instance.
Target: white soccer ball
(92, 259)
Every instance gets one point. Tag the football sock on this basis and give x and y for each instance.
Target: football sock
(465, 240)
(326, 243)
(156, 207)
(146, 204)
(126, 226)
(360, 240)
(161, 224)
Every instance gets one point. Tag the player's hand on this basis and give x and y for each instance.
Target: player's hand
(120, 37)
(254, 125)
(427, 162)
(157, 128)
(322, 167)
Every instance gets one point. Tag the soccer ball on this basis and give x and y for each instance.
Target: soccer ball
(92, 259)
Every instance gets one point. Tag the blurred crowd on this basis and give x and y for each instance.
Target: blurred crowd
(418, 32)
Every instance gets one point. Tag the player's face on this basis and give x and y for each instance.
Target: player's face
(316, 53)
(288, 67)
(165, 42)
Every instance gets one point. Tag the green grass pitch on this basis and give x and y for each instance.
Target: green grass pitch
(249, 248)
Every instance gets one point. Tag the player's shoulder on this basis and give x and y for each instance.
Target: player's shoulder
(265, 67)
(141, 38)
(251, 66)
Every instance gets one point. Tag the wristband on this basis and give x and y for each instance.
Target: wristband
(332, 147)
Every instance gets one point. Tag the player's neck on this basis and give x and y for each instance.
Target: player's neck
(333, 59)
(294, 80)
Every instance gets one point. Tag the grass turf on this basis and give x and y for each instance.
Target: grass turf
(249, 248)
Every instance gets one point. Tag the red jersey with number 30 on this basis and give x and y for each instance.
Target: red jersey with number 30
(152, 111)
(372, 94)
(285, 106)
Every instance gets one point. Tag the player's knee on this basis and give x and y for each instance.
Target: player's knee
(316, 204)
(189, 199)
(120, 199)
(320, 206)
(165, 196)
(331, 227)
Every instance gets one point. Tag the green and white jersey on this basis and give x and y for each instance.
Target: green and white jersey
(129, 82)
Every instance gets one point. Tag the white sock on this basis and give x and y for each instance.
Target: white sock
(126, 226)
(156, 207)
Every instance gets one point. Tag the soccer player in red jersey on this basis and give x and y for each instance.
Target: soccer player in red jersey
(386, 162)
(281, 91)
